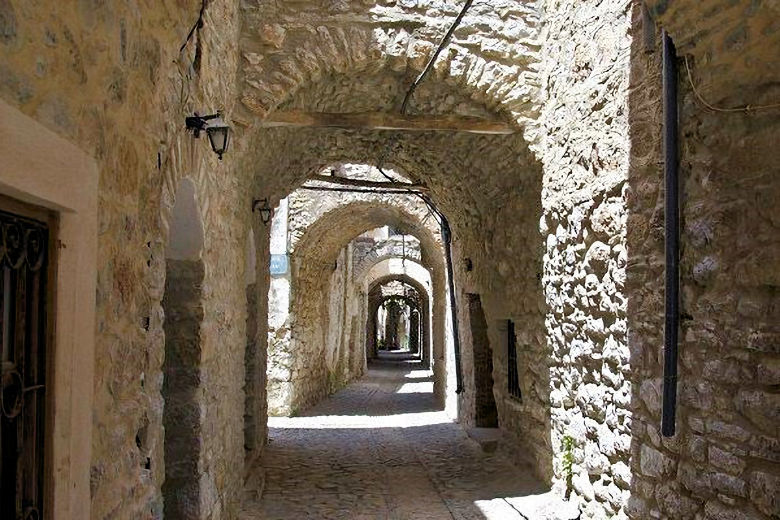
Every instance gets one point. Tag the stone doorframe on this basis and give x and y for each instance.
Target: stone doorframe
(41, 168)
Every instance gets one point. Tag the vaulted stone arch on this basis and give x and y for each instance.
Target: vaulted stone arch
(490, 187)
(281, 59)
(317, 256)
(431, 311)
(480, 182)
(393, 247)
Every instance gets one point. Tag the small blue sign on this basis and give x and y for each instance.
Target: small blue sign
(279, 265)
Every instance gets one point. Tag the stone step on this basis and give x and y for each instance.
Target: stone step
(487, 438)
(254, 485)
(546, 506)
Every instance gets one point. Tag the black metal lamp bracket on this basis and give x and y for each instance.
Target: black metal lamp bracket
(197, 123)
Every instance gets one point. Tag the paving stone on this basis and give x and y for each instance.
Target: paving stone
(383, 463)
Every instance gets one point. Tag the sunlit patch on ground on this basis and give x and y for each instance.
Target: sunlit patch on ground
(383, 448)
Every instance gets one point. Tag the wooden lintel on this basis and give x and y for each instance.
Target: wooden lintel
(386, 121)
(343, 181)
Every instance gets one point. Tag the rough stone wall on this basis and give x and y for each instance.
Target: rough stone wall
(320, 353)
(492, 48)
(255, 357)
(586, 45)
(109, 77)
(723, 460)
(254, 379)
(337, 336)
(733, 44)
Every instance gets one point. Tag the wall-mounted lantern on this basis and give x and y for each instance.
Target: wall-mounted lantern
(215, 127)
(262, 206)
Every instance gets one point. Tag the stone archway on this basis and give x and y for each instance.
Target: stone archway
(415, 308)
(432, 305)
(321, 257)
(498, 192)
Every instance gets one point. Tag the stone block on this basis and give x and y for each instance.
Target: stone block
(674, 503)
(765, 491)
(595, 462)
(697, 448)
(582, 485)
(637, 508)
(650, 394)
(694, 479)
(715, 510)
(724, 430)
(728, 484)
(621, 472)
(726, 460)
(655, 463)
(761, 408)
(768, 372)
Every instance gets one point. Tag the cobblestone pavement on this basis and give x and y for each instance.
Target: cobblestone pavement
(383, 449)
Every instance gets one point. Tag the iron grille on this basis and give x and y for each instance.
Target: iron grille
(513, 377)
(24, 246)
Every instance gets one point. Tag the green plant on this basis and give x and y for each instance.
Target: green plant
(567, 446)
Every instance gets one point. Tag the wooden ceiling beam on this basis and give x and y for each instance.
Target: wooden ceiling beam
(386, 121)
(360, 183)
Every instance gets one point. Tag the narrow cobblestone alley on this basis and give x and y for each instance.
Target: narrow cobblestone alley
(382, 449)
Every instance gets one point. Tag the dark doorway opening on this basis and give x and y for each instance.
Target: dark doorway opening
(181, 384)
(184, 312)
(486, 414)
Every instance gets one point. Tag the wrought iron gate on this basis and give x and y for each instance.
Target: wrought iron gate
(24, 259)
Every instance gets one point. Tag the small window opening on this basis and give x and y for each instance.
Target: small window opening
(513, 377)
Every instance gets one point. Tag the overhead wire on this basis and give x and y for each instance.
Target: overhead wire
(408, 99)
(198, 25)
(429, 66)
(745, 108)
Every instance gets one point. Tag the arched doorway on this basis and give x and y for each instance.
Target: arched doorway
(183, 307)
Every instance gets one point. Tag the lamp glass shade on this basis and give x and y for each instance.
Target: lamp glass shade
(219, 136)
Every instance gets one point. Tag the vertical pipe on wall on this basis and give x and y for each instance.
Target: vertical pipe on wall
(446, 234)
(672, 217)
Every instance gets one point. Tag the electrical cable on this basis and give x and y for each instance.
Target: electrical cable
(746, 108)
(420, 77)
(435, 56)
(198, 25)
(433, 210)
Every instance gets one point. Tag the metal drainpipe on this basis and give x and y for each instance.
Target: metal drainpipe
(672, 218)
(446, 234)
